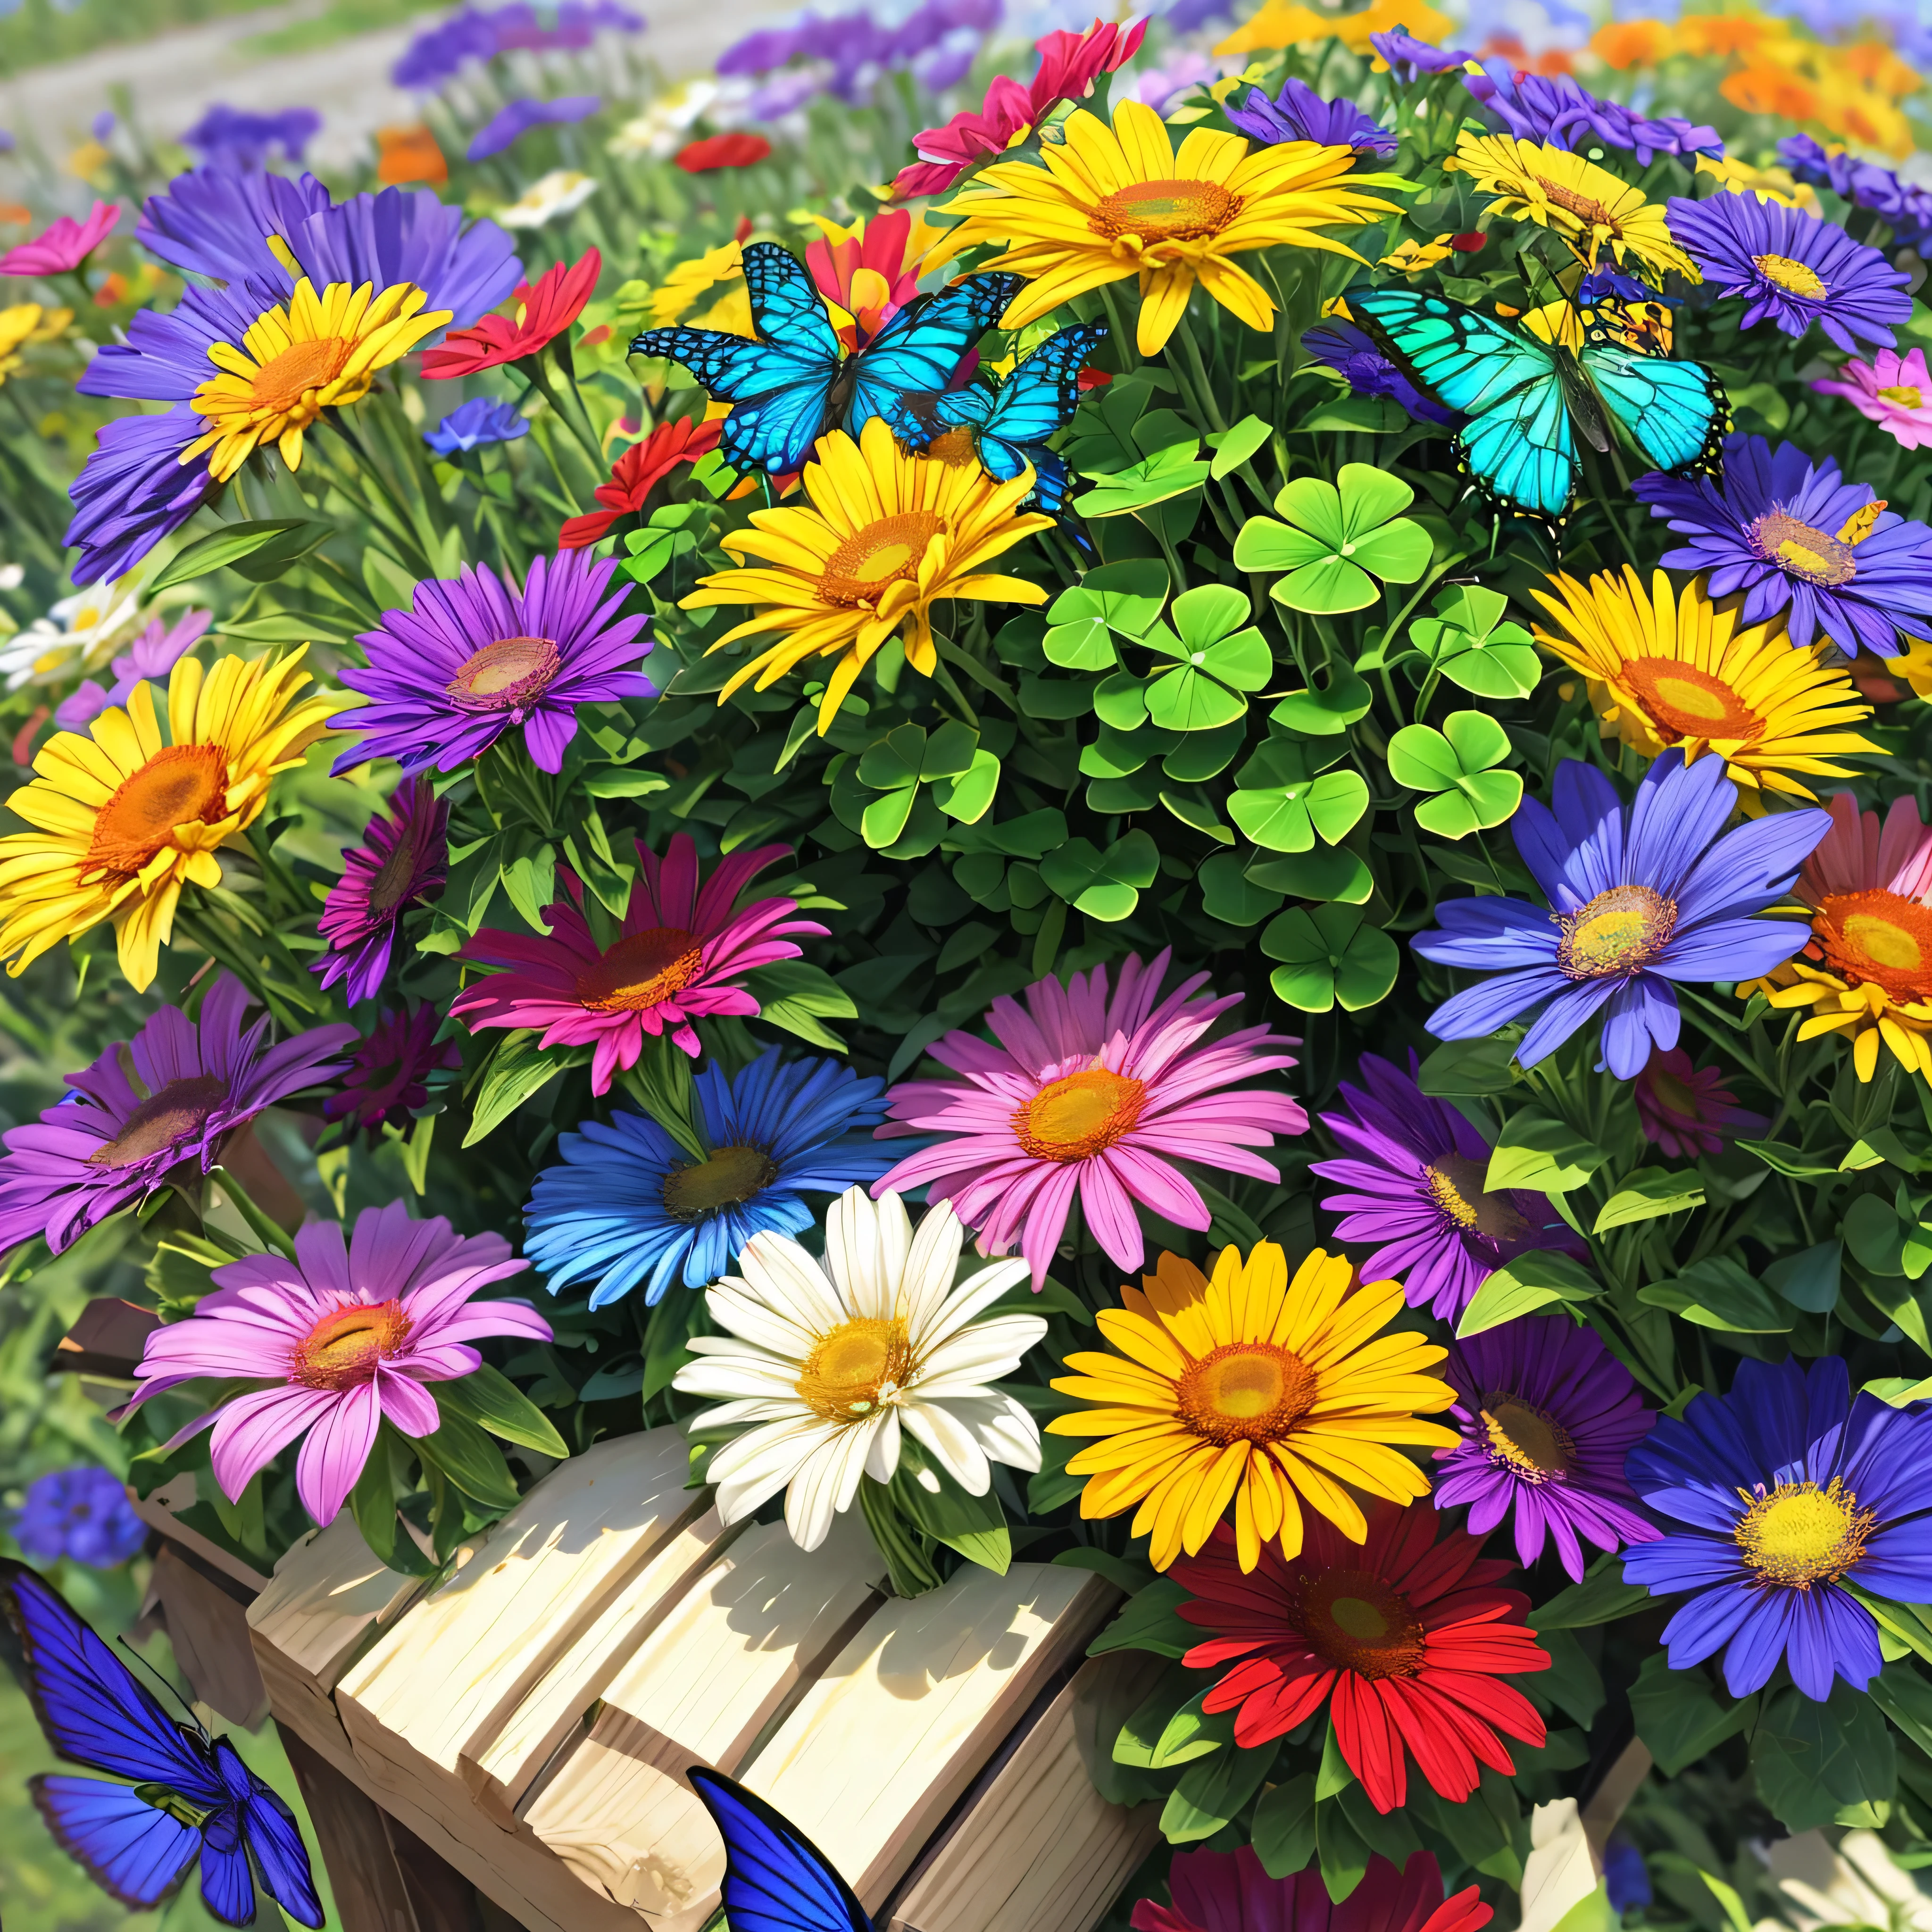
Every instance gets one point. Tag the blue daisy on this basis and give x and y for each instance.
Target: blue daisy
(629, 1205)
(1639, 897)
(1787, 1489)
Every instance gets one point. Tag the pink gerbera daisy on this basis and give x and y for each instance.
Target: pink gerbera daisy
(345, 1338)
(1104, 1094)
(680, 954)
(1894, 390)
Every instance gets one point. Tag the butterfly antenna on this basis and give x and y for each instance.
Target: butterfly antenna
(141, 1664)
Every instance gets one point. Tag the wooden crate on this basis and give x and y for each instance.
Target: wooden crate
(531, 1717)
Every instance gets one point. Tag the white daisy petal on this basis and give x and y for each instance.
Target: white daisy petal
(950, 1445)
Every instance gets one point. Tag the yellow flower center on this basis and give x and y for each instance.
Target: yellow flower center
(282, 383)
(181, 784)
(1353, 1620)
(1905, 397)
(1078, 1115)
(342, 1350)
(1456, 1183)
(854, 1368)
(1798, 1534)
(1803, 549)
(1794, 277)
(732, 1175)
(169, 1114)
(1620, 931)
(1145, 214)
(1246, 1392)
(505, 675)
(642, 970)
(1681, 701)
(1878, 936)
(885, 552)
(1527, 1439)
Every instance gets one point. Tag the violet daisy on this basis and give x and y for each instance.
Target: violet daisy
(135, 489)
(1298, 113)
(679, 954)
(1415, 1168)
(1349, 349)
(404, 860)
(1107, 1093)
(474, 657)
(1639, 896)
(387, 1076)
(347, 1336)
(173, 1094)
(1792, 267)
(511, 124)
(1397, 51)
(1547, 1415)
(1796, 539)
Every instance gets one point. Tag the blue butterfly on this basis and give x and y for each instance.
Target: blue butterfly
(194, 1796)
(794, 382)
(1007, 426)
(776, 1878)
(1524, 399)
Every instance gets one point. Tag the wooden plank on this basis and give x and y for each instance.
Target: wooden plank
(645, 1843)
(369, 1894)
(207, 1626)
(879, 1750)
(440, 1897)
(1038, 1849)
(158, 1511)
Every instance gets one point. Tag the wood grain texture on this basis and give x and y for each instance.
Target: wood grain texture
(207, 1626)
(369, 1894)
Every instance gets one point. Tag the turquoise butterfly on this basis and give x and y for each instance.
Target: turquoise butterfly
(1524, 400)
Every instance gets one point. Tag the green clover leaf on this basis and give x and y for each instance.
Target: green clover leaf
(1168, 473)
(1337, 539)
(1330, 956)
(1120, 598)
(1104, 885)
(1228, 892)
(1469, 643)
(1214, 664)
(1324, 710)
(1281, 803)
(1455, 764)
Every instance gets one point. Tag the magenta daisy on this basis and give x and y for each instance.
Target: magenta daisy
(1105, 1093)
(1688, 1110)
(347, 1337)
(171, 1096)
(1893, 391)
(680, 954)
(386, 1080)
(405, 858)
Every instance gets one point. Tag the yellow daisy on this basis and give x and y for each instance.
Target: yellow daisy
(1587, 206)
(123, 817)
(1106, 203)
(320, 352)
(717, 278)
(887, 536)
(1767, 184)
(1668, 668)
(1255, 1390)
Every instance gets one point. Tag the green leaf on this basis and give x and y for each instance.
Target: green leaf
(1190, 1733)
(1104, 885)
(1531, 1281)
(1906, 1698)
(1483, 799)
(1215, 1791)
(1283, 1827)
(1540, 1153)
(1810, 1278)
(488, 1398)
(969, 796)
(1186, 698)
(1151, 1621)
(1082, 645)
(975, 1526)
(260, 551)
(1331, 956)
(463, 1453)
(1324, 711)
(1718, 1292)
(1646, 1194)
(895, 760)
(798, 996)
(1680, 1718)
(1229, 894)
(1326, 587)
(1233, 447)
(1814, 1762)
(516, 1070)
(372, 1502)
(1467, 1068)
(1167, 473)
(1289, 816)
(885, 818)
(1602, 1598)
(1323, 872)
(669, 534)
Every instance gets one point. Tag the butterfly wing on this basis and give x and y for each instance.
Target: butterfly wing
(135, 1851)
(227, 1885)
(921, 348)
(1676, 412)
(1049, 481)
(776, 1878)
(270, 1831)
(1037, 400)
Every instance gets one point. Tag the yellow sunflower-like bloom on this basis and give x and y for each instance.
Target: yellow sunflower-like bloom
(1587, 206)
(124, 816)
(887, 536)
(1775, 184)
(717, 278)
(1255, 1390)
(1110, 202)
(320, 352)
(1668, 668)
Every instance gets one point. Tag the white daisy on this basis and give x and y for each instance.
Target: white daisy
(561, 192)
(78, 633)
(831, 1366)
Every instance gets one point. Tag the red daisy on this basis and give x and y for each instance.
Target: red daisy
(1402, 1637)
(722, 150)
(1230, 1892)
(644, 463)
(545, 308)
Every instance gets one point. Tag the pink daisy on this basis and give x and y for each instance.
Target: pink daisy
(679, 954)
(64, 245)
(347, 1339)
(1688, 1110)
(1104, 1094)
(1894, 390)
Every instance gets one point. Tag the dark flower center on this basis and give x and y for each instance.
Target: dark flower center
(181, 784)
(165, 1118)
(1879, 936)
(1246, 1392)
(506, 675)
(343, 1349)
(1619, 931)
(1353, 1620)
(1527, 1439)
(642, 970)
(1078, 1115)
(732, 1175)
(1803, 549)
(392, 882)
(885, 552)
(1455, 1183)
(1798, 1534)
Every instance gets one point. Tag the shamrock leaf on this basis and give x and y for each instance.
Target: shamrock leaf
(1104, 885)
(1213, 664)
(1168, 473)
(1228, 892)
(1324, 710)
(1122, 598)
(1455, 764)
(1329, 955)
(1468, 643)
(671, 532)
(1281, 803)
(1337, 539)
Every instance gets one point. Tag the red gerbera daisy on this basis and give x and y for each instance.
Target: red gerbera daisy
(1231, 1892)
(641, 467)
(1402, 1637)
(734, 150)
(546, 307)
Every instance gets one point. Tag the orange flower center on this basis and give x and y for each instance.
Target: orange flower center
(1620, 931)
(1794, 277)
(1803, 549)
(1879, 936)
(282, 382)
(1078, 1115)
(169, 1114)
(853, 1367)
(955, 448)
(1246, 1392)
(1146, 213)
(1682, 702)
(1455, 1183)
(1528, 1440)
(506, 676)
(1355, 1621)
(181, 784)
(885, 552)
(732, 1175)
(342, 1350)
(642, 970)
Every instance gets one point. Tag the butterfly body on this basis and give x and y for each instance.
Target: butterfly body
(794, 382)
(1524, 400)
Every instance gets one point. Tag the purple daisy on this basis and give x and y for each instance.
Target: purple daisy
(174, 1094)
(1793, 268)
(509, 124)
(1345, 346)
(405, 856)
(83, 1514)
(232, 138)
(1639, 897)
(1547, 1415)
(474, 656)
(1795, 538)
(1298, 113)
(1397, 50)
(1556, 109)
(1906, 206)
(387, 1079)
(1415, 1167)
(134, 490)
